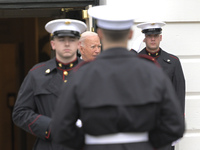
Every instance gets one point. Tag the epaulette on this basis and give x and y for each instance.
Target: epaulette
(36, 67)
(149, 58)
(81, 64)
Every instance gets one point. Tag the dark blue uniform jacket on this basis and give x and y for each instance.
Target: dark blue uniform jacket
(172, 67)
(118, 92)
(36, 101)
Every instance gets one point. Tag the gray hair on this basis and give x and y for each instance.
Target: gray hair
(86, 34)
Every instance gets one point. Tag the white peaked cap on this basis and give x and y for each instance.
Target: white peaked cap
(65, 25)
(150, 25)
(112, 17)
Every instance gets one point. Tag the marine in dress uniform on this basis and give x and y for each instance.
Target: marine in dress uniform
(124, 102)
(40, 89)
(170, 63)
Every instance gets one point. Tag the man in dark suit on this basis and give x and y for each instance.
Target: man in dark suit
(38, 93)
(89, 45)
(123, 101)
(168, 62)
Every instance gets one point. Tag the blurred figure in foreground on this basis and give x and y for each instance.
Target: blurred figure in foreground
(123, 101)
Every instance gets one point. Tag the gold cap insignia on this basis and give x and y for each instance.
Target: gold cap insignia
(153, 24)
(67, 22)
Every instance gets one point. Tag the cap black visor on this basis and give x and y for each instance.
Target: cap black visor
(64, 33)
(152, 31)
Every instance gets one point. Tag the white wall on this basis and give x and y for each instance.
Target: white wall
(181, 36)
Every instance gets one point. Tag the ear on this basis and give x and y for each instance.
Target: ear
(52, 44)
(81, 48)
(161, 37)
(130, 34)
(99, 32)
(79, 45)
(144, 39)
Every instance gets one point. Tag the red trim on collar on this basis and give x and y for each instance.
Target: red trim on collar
(65, 69)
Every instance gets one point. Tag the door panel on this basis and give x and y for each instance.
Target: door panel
(8, 90)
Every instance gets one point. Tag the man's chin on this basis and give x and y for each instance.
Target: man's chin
(153, 48)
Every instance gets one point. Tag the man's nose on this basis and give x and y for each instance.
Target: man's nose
(97, 49)
(66, 42)
(152, 38)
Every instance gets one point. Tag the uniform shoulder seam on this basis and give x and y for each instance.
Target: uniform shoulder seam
(81, 64)
(171, 55)
(37, 67)
(175, 57)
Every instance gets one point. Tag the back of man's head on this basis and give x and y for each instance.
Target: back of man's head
(116, 35)
(114, 25)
